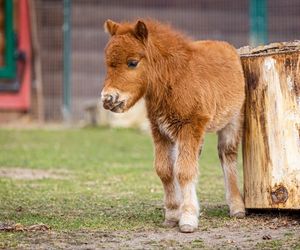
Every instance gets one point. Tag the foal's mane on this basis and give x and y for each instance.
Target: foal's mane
(162, 34)
(169, 52)
(159, 29)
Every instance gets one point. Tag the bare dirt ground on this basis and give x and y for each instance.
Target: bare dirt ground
(261, 231)
(31, 174)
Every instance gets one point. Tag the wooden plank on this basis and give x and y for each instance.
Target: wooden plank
(271, 145)
(37, 62)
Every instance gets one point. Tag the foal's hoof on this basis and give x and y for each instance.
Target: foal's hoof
(239, 215)
(170, 223)
(187, 228)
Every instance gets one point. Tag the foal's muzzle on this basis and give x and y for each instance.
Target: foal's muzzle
(112, 102)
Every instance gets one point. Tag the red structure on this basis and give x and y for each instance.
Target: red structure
(20, 101)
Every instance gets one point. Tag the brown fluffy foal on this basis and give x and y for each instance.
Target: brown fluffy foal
(190, 88)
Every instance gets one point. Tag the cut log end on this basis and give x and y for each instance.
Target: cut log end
(272, 48)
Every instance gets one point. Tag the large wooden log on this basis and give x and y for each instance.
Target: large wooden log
(271, 142)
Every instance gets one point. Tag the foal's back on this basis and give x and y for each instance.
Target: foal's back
(217, 74)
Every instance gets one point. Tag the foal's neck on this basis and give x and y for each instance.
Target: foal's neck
(169, 54)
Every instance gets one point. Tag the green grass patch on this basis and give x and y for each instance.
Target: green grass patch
(272, 244)
(106, 179)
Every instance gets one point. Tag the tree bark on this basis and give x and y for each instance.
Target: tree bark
(271, 141)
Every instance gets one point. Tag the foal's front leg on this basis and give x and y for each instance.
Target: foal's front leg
(164, 161)
(186, 168)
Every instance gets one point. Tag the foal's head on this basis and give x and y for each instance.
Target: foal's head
(126, 80)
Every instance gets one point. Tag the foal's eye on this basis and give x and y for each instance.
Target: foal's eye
(132, 63)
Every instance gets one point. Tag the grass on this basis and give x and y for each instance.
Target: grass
(107, 190)
(272, 244)
(109, 181)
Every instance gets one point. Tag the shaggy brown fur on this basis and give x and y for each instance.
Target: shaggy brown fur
(190, 88)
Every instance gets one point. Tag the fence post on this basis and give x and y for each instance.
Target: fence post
(258, 22)
(67, 46)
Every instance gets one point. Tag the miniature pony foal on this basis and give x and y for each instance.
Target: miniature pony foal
(190, 88)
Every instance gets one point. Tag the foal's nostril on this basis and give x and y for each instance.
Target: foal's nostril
(108, 98)
(107, 101)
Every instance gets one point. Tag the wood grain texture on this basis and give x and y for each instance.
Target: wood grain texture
(271, 142)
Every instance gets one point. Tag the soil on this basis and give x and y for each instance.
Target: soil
(30, 174)
(257, 231)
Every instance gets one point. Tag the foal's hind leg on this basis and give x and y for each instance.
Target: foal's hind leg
(228, 141)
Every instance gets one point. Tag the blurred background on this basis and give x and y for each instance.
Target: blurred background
(51, 51)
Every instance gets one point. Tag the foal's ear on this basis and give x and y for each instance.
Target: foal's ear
(141, 31)
(111, 27)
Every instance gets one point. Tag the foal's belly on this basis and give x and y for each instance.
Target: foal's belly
(216, 126)
(222, 119)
